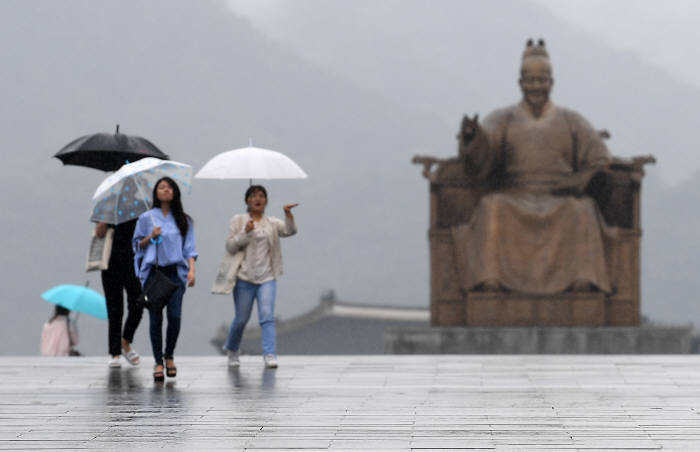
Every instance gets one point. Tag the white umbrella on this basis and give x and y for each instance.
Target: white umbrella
(126, 193)
(251, 163)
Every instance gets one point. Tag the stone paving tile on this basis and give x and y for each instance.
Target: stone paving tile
(370, 444)
(462, 449)
(287, 443)
(383, 403)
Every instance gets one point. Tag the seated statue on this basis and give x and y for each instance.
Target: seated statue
(535, 230)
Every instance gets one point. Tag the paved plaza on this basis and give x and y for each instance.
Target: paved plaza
(377, 403)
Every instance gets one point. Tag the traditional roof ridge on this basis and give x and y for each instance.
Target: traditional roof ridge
(329, 306)
(386, 312)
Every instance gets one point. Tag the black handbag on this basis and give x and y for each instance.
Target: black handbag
(158, 290)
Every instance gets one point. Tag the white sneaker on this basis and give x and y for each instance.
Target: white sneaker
(114, 363)
(233, 360)
(270, 361)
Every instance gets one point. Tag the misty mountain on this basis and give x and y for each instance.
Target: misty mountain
(456, 57)
(197, 81)
(671, 252)
(351, 93)
(463, 57)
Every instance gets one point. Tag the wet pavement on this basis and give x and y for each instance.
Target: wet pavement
(378, 403)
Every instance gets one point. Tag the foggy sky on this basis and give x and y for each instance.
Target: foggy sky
(663, 34)
(351, 90)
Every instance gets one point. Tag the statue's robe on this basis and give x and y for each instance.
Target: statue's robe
(535, 232)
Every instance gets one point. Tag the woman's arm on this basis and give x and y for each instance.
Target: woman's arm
(288, 227)
(190, 274)
(143, 243)
(142, 237)
(100, 230)
(238, 237)
(189, 252)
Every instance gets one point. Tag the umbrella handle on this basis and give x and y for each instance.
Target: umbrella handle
(74, 325)
(153, 241)
(250, 143)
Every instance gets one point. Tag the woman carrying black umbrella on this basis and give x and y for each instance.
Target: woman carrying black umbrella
(164, 237)
(119, 277)
(108, 152)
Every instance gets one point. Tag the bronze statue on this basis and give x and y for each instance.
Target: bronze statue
(521, 208)
(535, 232)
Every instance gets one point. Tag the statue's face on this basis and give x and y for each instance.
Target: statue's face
(536, 81)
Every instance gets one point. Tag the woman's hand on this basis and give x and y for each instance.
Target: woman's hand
(101, 230)
(190, 274)
(250, 225)
(154, 235)
(288, 209)
(190, 278)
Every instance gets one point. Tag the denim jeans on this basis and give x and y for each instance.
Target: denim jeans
(244, 293)
(174, 312)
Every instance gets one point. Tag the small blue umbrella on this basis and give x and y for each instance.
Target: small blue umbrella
(77, 298)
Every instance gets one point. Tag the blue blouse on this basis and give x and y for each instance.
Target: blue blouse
(171, 249)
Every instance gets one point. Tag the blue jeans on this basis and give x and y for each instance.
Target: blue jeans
(174, 312)
(244, 293)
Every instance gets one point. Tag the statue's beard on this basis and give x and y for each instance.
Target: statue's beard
(537, 99)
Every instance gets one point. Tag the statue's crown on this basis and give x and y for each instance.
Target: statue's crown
(535, 50)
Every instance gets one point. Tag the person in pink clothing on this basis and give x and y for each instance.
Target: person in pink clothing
(59, 336)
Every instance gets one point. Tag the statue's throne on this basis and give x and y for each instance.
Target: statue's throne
(453, 198)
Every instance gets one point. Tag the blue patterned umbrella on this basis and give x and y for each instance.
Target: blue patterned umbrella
(126, 194)
(77, 298)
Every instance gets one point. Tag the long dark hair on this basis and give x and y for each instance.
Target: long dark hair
(59, 310)
(181, 218)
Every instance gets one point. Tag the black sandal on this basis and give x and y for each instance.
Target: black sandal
(170, 371)
(158, 374)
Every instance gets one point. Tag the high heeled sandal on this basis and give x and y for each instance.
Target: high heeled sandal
(158, 375)
(171, 371)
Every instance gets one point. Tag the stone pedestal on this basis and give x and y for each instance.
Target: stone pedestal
(540, 340)
(513, 309)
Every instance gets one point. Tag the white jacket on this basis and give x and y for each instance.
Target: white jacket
(236, 246)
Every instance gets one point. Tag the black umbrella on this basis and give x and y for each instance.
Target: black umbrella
(107, 151)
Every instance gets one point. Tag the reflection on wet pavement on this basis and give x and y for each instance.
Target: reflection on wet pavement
(355, 402)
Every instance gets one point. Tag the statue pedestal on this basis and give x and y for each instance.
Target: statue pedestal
(540, 340)
(513, 309)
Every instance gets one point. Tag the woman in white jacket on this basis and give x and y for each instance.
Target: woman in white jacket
(250, 269)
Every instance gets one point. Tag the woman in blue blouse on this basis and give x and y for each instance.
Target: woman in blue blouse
(167, 230)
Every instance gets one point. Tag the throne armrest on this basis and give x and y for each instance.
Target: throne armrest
(635, 163)
(453, 194)
(617, 190)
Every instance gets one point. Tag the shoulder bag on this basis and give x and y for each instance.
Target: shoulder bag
(158, 290)
(100, 251)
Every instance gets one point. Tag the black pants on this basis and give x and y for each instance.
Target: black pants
(114, 281)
